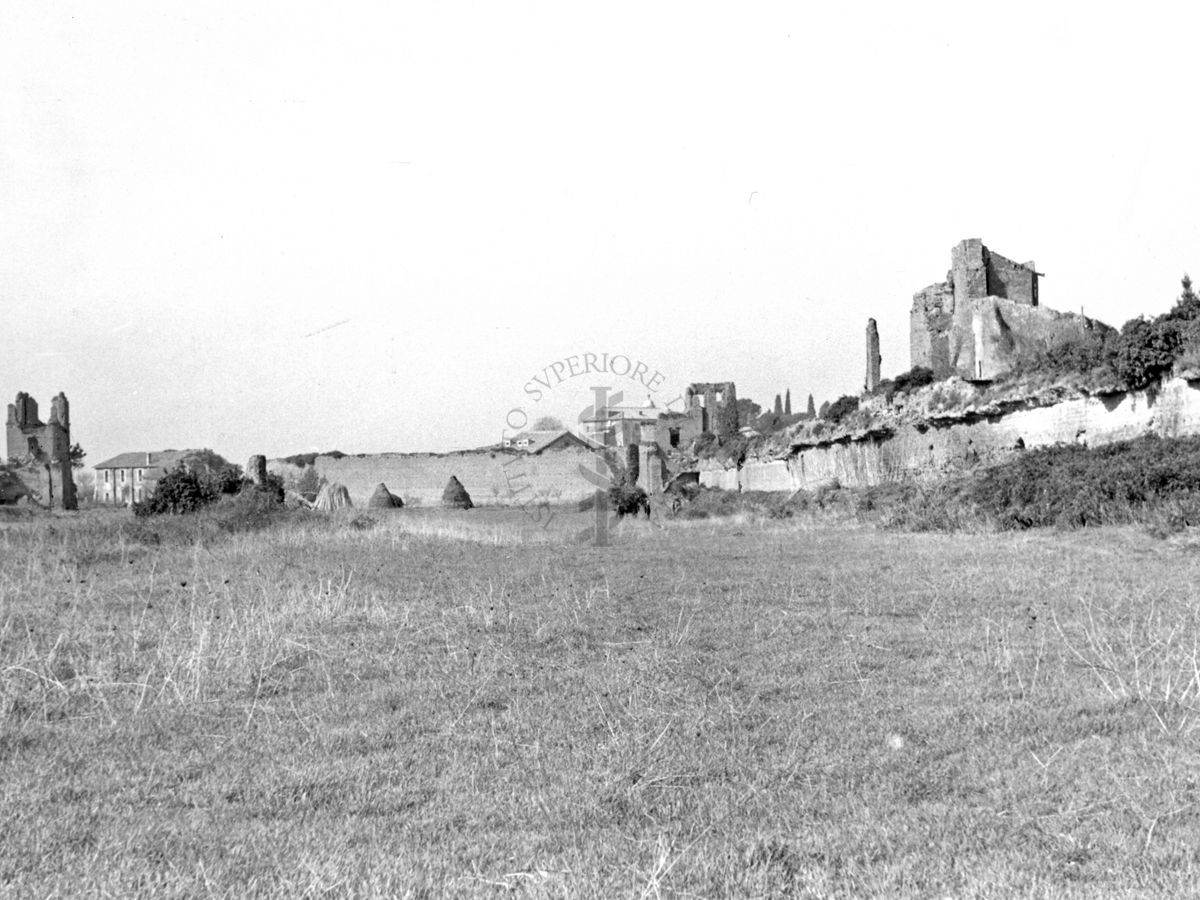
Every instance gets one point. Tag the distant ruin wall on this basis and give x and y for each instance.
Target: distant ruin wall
(911, 454)
(492, 478)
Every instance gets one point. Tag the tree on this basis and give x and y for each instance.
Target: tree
(1187, 307)
(76, 454)
(787, 403)
(548, 423)
(841, 408)
(1147, 350)
(778, 405)
(747, 409)
(812, 410)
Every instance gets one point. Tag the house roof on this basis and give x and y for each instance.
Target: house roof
(545, 440)
(161, 459)
(557, 440)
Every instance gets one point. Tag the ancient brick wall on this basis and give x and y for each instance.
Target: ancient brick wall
(911, 454)
(1012, 281)
(42, 449)
(978, 322)
(929, 328)
(718, 402)
(491, 478)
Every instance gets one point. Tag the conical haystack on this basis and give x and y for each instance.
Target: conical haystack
(333, 496)
(455, 495)
(382, 498)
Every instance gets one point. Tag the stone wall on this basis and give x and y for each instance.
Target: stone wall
(492, 478)
(40, 452)
(915, 454)
(929, 328)
(977, 322)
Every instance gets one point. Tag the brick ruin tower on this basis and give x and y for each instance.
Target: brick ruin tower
(874, 360)
(42, 450)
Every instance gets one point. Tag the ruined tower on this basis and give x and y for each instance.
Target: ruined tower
(41, 451)
(874, 360)
(986, 313)
(716, 402)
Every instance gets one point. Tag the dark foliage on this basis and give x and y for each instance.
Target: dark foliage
(1064, 486)
(189, 489)
(1147, 349)
(1140, 354)
(179, 491)
(628, 499)
(841, 408)
(916, 377)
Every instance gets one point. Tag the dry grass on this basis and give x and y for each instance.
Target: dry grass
(452, 705)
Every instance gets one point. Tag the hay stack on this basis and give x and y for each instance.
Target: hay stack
(455, 496)
(333, 496)
(382, 498)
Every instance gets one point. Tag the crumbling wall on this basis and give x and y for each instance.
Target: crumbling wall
(493, 478)
(977, 323)
(929, 328)
(39, 452)
(717, 401)
(874, 360)
(913, 453)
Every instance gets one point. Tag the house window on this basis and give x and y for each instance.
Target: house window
(137, 476)
(106, 474)
(674, 432)
(122, 476)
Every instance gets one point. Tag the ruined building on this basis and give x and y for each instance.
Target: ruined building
(715, 405)
(41, 451)
(976, 322)
(874, 360)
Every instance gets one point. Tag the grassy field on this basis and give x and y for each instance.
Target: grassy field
(425, 704)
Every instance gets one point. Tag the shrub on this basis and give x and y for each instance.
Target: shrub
(628, 499)
(178, 491)
(1147, 350)
(841, 408)
(184, 490)
(916, 377)
(1067, 486)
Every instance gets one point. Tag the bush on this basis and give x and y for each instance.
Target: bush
(184, 490)
(1147, 350)
(179, 491)
(906, 382)
(841, 408)
(1067, 486)
(916, 377)
(628, 499)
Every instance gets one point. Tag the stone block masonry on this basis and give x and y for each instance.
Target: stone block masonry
(914, 453)
(41, 451)
(979, 321)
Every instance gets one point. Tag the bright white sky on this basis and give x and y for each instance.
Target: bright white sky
(295, 226)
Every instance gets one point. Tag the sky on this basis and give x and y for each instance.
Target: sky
(291, 227)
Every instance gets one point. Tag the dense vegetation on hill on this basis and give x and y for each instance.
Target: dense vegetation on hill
(1141, 353)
